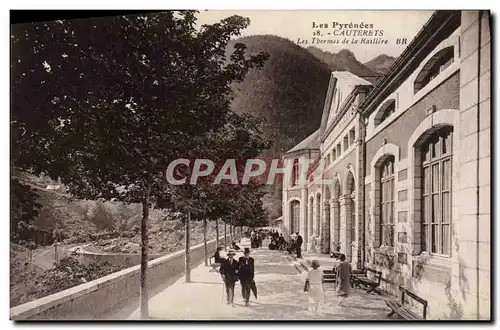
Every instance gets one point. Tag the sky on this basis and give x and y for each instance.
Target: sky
(294, 24)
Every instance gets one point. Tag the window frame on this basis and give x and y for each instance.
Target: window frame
(295, 173)
(434, 67)
(429, 160)
(387, 180)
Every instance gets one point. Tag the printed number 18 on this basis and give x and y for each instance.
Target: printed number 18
(316, 33)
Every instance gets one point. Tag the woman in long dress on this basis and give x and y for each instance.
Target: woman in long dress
(343, 274)
(314, 286)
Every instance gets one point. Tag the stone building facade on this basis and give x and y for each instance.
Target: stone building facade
(401, 174)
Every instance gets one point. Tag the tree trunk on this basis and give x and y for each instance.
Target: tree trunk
(216, 233)
(205, 241)
(230, 234)
(225, 235)
(188, 250)
(144, 257)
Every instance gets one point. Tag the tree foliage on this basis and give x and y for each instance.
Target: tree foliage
(105, 104)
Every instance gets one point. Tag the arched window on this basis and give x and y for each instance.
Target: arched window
(436, 161)
(387, 201)
(388, 108)
(295, 172)
(295, 216)
(437, 64)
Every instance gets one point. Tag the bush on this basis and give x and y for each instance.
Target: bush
(69, 272)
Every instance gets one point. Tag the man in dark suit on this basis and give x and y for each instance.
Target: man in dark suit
(246, 273)
(298, 245)
(229, 272)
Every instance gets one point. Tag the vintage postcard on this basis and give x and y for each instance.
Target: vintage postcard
(251, 165)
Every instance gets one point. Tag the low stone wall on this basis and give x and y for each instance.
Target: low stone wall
(118, 259)
(96, 298)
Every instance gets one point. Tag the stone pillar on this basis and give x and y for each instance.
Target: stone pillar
(325, 229)
(471, 192)
(317, 230)
(334, 224)
(357, 244)
(345, 226)
(303, 217)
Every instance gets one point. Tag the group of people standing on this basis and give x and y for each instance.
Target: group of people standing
(314, 283)
(294, 243)
(277, 241)
(256, 239)
(241, 270)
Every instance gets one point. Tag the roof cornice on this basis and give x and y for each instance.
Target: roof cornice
(414, 53)
(343, 109)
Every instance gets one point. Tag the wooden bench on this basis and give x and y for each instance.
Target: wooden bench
(329, 276)
(361, 278)
(400, 308)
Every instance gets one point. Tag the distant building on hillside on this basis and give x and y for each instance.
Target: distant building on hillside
(53, 187)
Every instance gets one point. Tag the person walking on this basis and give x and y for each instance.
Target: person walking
(343, 274)
(281, 241)
(314, 287)
(229, 272)
(246, 274)
(298, 245)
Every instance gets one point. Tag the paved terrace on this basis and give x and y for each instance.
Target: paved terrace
(280, 285)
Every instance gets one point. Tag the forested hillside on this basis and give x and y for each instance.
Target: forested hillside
(289, 93)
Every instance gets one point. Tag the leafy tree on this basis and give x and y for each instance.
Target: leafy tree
(105, 104)
(240, 139)
(24, 204)
(101, 217)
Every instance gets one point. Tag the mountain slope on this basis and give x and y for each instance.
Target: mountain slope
(344, 60)
(381, 63)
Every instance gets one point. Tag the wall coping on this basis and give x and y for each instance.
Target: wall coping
(37, 306)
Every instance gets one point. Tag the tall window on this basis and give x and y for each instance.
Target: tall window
(352, 136)
(387, 201)
(295, 172)
(436, 192)
(295, 210)
(346, 142)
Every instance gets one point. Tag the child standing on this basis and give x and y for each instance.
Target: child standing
(314, 286)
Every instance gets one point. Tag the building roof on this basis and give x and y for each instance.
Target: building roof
(355, 83)
(350, 78)
(310, 142)
(441, 24)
